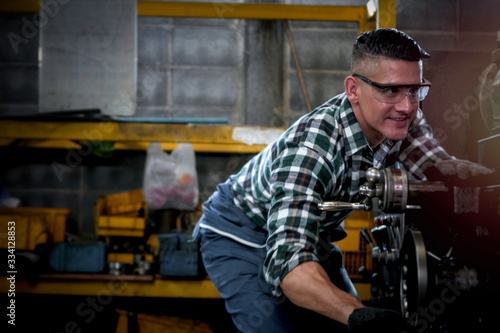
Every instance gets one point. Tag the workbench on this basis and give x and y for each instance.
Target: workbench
(121, 285)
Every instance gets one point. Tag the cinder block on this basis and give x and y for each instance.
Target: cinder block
(320, 86)
(151, 86)
(206, 46)
(58, 174)
(327, 50)
(152, 44)
(124, 171)
(19, 84)
(205, 87)
(154, 20)
(18, 43)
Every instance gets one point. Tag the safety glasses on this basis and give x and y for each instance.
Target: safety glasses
(393, 94)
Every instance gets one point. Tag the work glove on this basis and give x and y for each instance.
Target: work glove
(374, 320)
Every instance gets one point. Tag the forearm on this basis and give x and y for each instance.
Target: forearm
(420, 149)
(308, 286)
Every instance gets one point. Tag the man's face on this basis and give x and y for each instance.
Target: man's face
(380, 120)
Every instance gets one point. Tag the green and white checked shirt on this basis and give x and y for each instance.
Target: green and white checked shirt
(323, 156)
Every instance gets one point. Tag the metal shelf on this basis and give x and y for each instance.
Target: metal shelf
(204, 138)
(383, 12)
(134, 136)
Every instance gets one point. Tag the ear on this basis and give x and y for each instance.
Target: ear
(351, 89)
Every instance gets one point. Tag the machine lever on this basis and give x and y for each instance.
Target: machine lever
(339, 205)
(381, 237)
(366, 237)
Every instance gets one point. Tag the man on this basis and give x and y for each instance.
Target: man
(264, 242)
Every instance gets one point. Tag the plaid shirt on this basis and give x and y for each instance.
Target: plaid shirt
(323, 156)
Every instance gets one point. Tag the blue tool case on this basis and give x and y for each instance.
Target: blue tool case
(84, 257)
(179, 256)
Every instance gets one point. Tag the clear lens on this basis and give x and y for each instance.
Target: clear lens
(394, 95)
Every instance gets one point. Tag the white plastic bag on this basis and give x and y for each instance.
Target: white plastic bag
(170, 180)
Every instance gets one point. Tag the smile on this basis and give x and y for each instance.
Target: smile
(399, 122)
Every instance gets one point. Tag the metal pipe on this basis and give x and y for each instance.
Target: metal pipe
(297, 64)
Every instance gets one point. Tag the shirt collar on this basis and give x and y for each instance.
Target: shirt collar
(354, 136)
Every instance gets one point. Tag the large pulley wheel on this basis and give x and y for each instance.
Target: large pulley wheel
(414, 277)
(490, 79)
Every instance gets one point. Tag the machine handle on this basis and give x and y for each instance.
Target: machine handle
(380, 235)
(336, 206)
(364, 233)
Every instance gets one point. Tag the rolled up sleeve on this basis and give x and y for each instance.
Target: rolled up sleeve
(299, 178)
(420, 149)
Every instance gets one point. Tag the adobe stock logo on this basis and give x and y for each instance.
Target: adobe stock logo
(424, 317)
(30, 28)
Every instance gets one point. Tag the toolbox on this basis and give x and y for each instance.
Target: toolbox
(121, 214)
(33, 226)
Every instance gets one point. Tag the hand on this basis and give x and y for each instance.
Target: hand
(462, 169)
(370, 320)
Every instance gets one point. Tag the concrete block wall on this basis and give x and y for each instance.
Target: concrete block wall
(242, 71)
(459, 35)
(18, 68)
(324, 55)
(189, 67)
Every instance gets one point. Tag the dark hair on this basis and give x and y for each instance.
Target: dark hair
(387, 42)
